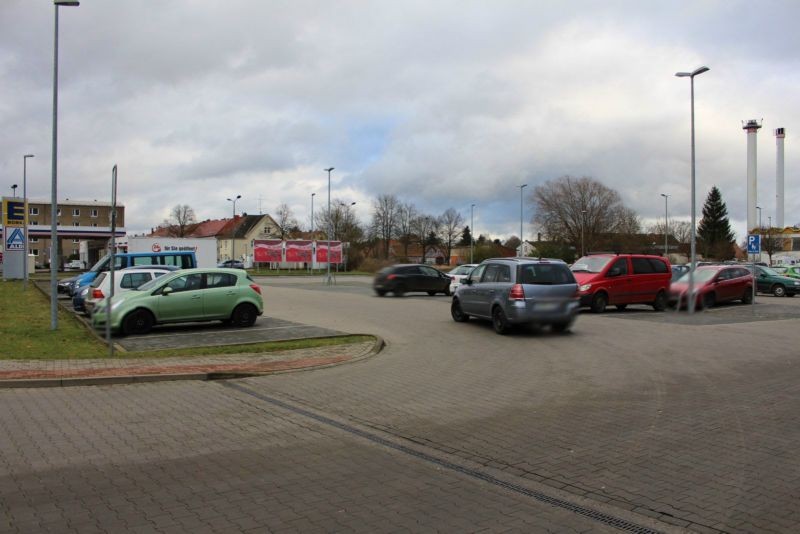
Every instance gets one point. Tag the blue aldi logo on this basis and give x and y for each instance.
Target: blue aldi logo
(15, 239)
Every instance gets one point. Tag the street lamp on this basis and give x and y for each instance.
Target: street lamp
(666, 223)
(25, 203)
(330, 222)
(233, 228)
(760, 232)
(312, 230)
(521, 187)
(471, 231)
(693, 256)
(583, 223)
(54, 178)
(14, 190)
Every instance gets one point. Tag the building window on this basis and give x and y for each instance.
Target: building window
(58, 212)
(75, 251)
(34, 222)
(76, 212)
(33, 211)
(93, 213)
(76, 240)
(796, 243)
(34, 251)
(34, 239)
(94, 225)
(76, 224)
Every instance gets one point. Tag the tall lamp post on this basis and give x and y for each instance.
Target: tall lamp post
(25, 228)
(54, 178)
(760, 231)
(583, 224)
(233, 228)
(666, 223)
(521, 241)
(312, 230)
(693, 254)
(14, 190)
(471, 232)
(330, 223)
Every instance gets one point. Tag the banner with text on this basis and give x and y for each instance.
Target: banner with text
(267, 250)
(336, 251)
(298, 251)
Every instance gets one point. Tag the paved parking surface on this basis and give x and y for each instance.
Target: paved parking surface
(643, 424)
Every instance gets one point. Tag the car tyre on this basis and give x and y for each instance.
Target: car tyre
(599, 302)
(621, 307)
(458, 314)
(660, 304)
(137, 322)
(244, 315)
(778, 290)
(447, 291)
(747, 298)
(380, 292)
(500, 321)
(399, 290)
(709, 300)
(431, 293)
(562, 328)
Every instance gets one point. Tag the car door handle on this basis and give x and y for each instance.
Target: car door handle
(195, 297)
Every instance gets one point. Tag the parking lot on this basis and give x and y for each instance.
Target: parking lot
(633, 421)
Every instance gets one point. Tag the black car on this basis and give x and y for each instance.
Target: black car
(231, 264)
(400, 279)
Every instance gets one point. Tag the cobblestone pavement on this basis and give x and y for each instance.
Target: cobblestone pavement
(638, 424)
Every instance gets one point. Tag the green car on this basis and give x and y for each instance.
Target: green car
(770, 281)
(792, 271)
(189, 295)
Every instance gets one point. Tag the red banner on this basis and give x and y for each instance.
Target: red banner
(336, 251)
(267, 250)
(298, 251)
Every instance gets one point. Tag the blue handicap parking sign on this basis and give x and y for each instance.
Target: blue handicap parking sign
(753, 244)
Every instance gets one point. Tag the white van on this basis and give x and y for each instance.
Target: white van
(124, 280)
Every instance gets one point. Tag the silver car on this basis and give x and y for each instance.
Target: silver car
(511, 291)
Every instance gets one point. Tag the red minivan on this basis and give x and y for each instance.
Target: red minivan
(622, 279)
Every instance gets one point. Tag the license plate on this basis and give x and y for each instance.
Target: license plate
(548, 306)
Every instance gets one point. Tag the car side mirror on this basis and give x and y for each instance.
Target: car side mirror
(166, 291)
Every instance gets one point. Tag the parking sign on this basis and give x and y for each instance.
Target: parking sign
(753, 244)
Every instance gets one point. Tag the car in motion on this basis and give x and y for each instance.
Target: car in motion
(622, 279)
(713, 284)
(514, 291)
(458, 274)
(405, 278)
(189, 295)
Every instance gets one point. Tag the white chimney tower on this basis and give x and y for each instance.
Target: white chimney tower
(780, 133)
(751, 127)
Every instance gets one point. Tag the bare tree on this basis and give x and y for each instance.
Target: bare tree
(285, 219)
(384, 220)
(771, 242)
(180, 218)
(405, 217)
(449, 229)
(342, 222)
(426, 227)
(682, 230)
(569, 207)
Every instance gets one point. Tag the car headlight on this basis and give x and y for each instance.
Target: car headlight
(585, 287)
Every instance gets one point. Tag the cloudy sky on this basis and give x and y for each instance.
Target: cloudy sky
(443, 103)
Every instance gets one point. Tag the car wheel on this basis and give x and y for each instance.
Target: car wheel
(244, 315)
(447, 291)
(621, 307)
(380, 292)
(561, 328)
(789, 294)
(778, 290)
(709, 299)
(431, 293)
(660, 304)
(137, 322)
(599, 303)
(399, 290)
(458, 314)
(747, 298)
(499, 321)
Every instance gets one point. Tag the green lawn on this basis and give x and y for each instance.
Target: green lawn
(25, 330)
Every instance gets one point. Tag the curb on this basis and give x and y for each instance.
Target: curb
(168, 377)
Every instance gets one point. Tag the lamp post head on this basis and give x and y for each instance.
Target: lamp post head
(66, 3)
(328, 170)
(692, 74)
(238, 197)
(14, 186)
(313, 194)
(27, 156)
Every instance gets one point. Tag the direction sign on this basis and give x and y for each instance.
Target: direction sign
(753, 244)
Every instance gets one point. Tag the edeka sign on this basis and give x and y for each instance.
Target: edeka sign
(13, 213)
(267, 250)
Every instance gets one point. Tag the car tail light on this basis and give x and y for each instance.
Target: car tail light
(256, 288)
(391, 277)
(517, 293)
(97, 294)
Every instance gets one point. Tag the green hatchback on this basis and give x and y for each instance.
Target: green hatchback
(189, 295)
(792, 271)
(770, 281)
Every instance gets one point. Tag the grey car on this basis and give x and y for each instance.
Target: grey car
(511, 291)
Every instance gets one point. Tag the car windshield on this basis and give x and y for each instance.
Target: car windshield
(591, 264)
(462, 269)
(771, 272)
(700, 275)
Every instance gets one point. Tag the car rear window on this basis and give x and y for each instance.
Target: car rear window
(497, 273)
(545, 274)
(658, 265)
(642, 266)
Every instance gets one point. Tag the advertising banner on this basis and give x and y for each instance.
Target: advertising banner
(336, 251)
(298, 251)
(267, 250)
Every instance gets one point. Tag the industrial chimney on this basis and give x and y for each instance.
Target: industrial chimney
(780, 133)
(751, 127)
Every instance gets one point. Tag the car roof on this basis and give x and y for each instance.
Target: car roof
(526, 259)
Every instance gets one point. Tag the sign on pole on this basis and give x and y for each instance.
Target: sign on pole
(753, 244)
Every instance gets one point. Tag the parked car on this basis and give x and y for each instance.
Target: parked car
(231, 264)
(622, 279)
(124, 280)
(79, 298)
(75, 265)
(458, 274)
(403, 278)
(713, 284)
(792, 271)
(213, 294)
(511, 291)
(65, 285)
(769, 281)
(678, 271)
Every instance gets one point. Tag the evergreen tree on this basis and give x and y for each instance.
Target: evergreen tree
(466, 236)
(714, 231)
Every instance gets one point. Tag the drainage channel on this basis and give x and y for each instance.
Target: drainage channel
(596, 515)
